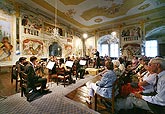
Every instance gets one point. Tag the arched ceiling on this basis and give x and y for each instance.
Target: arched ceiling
(90, 15)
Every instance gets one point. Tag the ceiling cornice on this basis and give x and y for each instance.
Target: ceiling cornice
(59, 13)
(50, 8)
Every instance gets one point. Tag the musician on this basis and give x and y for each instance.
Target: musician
(97, 59)
(67, 70)
(32, 78)
(79, 68)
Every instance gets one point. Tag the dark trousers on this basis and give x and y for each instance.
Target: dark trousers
(70, 76)
(82, 72)
(157, 109)
(43, 82)
(98, 62)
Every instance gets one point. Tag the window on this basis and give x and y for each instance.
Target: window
(104, 49)
(114, 50)
(151, 48)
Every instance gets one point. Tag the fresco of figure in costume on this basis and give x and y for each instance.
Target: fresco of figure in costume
(5, 49)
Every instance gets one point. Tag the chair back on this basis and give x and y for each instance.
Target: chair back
(23, 78)
(60, 71)
(115, 92)
(14, 73)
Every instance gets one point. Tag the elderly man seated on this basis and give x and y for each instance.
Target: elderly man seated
(154, 103)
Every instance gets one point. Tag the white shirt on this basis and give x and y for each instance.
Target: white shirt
(122, 67)
(159, 98)
(151, 79)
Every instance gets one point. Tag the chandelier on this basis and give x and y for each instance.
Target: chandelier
(55, 32)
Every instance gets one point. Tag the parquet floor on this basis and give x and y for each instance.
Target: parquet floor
(6, 87)
(80, 94)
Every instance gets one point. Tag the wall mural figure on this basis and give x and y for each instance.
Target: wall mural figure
(129, 50)
(5, 49)
(32, 47)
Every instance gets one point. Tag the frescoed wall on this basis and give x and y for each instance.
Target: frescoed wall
(32, 47)
(6, 46)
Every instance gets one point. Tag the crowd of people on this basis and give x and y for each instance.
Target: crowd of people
(32, 68)
(141, 84)
(142, 80)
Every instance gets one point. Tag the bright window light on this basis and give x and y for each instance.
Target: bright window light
(114, 50)
(104, 49)
(151, 48)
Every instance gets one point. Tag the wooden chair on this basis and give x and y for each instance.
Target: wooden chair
(24, 85)
(15, 76)
(108, 101)
(61, 75)
(74, 71)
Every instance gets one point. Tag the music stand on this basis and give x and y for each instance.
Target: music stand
(69, 64)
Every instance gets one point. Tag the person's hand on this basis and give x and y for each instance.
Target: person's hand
(138, 95)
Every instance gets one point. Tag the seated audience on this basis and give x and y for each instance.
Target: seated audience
(153, 103)
(147, 80)
(134, 61)
(145, 85)
(116, 64)
(121, 66)
(104, 86)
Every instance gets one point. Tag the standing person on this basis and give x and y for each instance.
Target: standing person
(154, 103)
(104, 86)
(97, 58)
(32, 78)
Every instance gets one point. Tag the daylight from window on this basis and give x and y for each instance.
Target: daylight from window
(151, 48)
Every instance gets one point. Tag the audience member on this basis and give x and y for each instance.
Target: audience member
(154, 103)
(116, 64)
(104, 86)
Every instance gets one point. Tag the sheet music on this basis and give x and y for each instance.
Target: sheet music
(69, 63)
(82, 62)
(50, 65)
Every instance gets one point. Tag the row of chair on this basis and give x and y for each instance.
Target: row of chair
(21, 78)
(60, 75)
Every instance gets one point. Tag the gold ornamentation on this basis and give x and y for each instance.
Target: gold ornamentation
(70, 13)
(144, 6)
(98, 20)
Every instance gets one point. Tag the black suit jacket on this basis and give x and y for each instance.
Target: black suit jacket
(31, 75)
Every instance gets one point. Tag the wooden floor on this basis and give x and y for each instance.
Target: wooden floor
(80, 94)
(6, 87)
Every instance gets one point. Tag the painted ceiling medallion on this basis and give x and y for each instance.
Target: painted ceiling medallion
(113, 7)
(70, 13)
(98, 20)
(144, 6)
